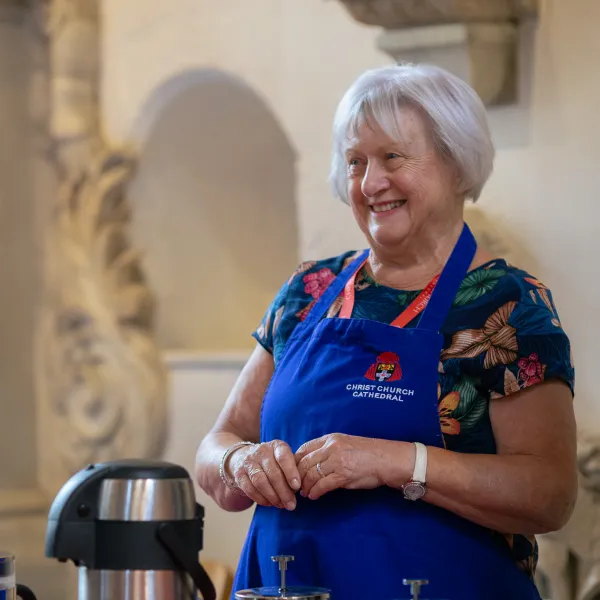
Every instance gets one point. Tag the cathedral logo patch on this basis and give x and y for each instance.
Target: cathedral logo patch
(385, 368)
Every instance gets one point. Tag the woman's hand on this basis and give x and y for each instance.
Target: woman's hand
(346, 461)
(267, 473)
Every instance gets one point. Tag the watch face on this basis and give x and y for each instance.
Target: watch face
(414, 490)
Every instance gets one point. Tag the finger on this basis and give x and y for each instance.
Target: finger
(246, 486)
(325, 485)
(311, 477)
(260, 480)
(309, 447)
(286, 495)
(285, 458)
(310, 460)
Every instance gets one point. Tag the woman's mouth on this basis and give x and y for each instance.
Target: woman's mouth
(387, 206)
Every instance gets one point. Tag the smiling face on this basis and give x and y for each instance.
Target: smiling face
(401, 192)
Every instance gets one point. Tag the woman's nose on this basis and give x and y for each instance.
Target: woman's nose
(375, 181)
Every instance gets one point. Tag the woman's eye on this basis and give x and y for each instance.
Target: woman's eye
(391, 155)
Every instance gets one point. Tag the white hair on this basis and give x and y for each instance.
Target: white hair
(455, 113)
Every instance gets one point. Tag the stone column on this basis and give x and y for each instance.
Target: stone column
(81, 379)
(101, 383)
(23, 505)
(20, 266)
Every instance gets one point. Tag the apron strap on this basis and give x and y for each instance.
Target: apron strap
(450, 279)
(334, 289)
(443, 295)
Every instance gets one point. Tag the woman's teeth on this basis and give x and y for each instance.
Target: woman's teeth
(389, 206)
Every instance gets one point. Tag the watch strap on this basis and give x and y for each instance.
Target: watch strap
(420, 470)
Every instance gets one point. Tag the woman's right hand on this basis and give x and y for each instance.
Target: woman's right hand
(266, 473)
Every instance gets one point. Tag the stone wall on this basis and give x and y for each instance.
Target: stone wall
(300, 57)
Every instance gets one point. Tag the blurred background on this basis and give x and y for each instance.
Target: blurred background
(163, 170)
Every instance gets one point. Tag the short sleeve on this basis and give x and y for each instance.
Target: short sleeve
(536, 348)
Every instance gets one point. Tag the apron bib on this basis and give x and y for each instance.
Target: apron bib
(370, 379)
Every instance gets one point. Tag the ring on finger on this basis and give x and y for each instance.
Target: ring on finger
(319, 470)
(254, 471)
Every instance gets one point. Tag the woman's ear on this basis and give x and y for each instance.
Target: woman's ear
(455, 178)
(458, 186)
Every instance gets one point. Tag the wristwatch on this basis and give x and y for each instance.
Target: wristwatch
(416, 487)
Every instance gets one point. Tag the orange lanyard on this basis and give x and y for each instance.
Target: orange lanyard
(416, 307)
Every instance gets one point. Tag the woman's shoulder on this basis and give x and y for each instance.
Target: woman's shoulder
(499, 281)
(505, 302)
(534, 311)
(505, 325)
(525, 279)
(296, 297)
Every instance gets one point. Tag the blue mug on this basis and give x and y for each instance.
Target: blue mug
(9, 588)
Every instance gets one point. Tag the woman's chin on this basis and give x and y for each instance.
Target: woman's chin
(388, 235)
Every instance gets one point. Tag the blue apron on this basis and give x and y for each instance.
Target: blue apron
(361, 544)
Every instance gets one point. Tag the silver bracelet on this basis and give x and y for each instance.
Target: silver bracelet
(230, 483)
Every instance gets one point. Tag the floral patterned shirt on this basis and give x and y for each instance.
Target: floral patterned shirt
(502, 334)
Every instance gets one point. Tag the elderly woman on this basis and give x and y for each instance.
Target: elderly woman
(408, 409)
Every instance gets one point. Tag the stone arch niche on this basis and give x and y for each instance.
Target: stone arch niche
(214, 209)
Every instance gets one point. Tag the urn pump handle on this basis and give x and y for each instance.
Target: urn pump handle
(168, 536)
(24, 592)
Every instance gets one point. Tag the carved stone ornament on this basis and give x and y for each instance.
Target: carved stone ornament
(101, 383)
(475, 39)
(396, 14)
(13, 3)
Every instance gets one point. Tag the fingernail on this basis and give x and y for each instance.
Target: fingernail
(291, 505)
(295, 483)
(303, 494)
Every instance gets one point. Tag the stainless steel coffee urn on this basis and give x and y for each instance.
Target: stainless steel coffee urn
(134, 529)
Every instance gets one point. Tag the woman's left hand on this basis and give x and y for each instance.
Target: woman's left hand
(345, 461)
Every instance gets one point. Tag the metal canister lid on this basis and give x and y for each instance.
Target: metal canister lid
(290, 593)
(7, 564)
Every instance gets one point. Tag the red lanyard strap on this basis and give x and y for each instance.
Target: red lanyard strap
(416, 307)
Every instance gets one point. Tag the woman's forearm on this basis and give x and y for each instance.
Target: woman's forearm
(208, 460)
(239, 421)
(507, 493)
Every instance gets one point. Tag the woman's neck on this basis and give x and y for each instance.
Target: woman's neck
(414, 263)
